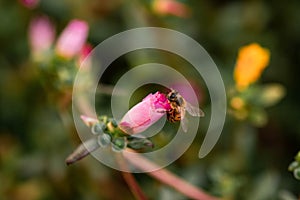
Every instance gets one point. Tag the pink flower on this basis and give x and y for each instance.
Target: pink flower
(170, 7)
(145, 113)
(41, 35)
(72, 39)
(30, 3)
(84, 52)
(183, 90)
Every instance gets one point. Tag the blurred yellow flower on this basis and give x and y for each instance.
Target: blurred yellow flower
(237, 103)
(252, 60)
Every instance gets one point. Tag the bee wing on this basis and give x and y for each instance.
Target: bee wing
(194, 111)
(184, 121)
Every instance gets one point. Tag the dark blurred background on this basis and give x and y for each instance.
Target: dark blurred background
(248, 162)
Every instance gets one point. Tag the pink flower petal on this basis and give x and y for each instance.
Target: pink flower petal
(84, 52)
(183, 90)
(41, 35)
(72, 39)
(30, 3)
(89, 121)
(144, 114)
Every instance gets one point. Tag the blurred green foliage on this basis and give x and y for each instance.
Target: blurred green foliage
(36, 134)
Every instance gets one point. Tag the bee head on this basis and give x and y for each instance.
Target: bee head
(172, 95)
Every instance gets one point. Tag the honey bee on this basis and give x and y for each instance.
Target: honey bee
(179, 106)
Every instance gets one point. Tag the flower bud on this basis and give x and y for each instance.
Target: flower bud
(252, 60)
(170, 7)
(30, 3)
(145, 113)
(72, 39)
(119, 144)
(41, 36)
(98, 128)
(104, 140)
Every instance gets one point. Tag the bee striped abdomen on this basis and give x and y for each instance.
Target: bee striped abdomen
(174, 115)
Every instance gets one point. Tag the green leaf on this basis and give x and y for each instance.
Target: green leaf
(297, 157)
(140, 143)
(258, 117)
(293, 166)
(265, 186)
(297, 173)
(271, 94)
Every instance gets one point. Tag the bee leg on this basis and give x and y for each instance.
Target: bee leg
(160, 110)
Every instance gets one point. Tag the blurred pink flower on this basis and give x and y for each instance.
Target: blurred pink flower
(72, 39)
(41, 35)
(145, 113)
(30, 3)
(84, 52)
(183, 89)
(170, 7)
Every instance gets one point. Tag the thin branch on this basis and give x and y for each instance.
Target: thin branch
(167, 177)
(143, 164)
(130, 180)
(134, 186)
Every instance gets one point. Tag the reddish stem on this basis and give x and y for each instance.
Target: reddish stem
(130, 180)
(133, 185)
(167, 177)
